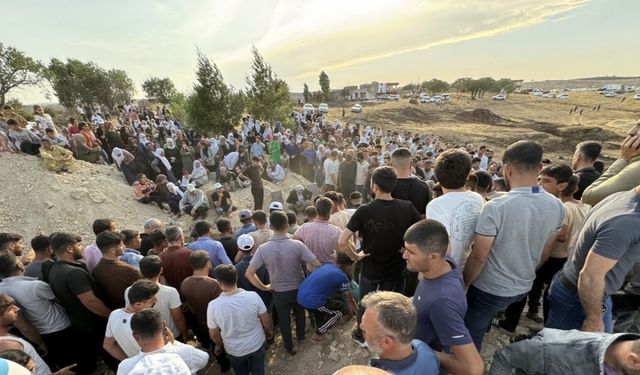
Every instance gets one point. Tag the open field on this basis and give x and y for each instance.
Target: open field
(547, 121)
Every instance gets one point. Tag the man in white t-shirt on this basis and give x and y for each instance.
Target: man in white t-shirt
(362, 169)
(168, 302)
(458, 209)
(156, 341)
(118, 337)
(331, 166)
(238, 319)
(484, 160)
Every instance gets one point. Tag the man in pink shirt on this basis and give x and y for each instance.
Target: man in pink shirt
(92, 254)
(320, 236)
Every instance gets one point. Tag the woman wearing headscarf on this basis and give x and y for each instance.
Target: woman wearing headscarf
(145, 191)
(187, 154)
(126, 163)
(113, 138)
(199, 174)
(161, 186)
(174, 195)
(274, 149)
(207, 155)
(173, 155)
(84, 152)
(161, 165)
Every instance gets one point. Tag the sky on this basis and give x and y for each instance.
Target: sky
(354, 41)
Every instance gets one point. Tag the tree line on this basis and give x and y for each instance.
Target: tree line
(475, 87)
(211, 105)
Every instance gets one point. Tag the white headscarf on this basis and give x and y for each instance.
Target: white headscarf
(160, 155)
(173, 189)
(142, 138)
(170, 143)
(117, 155)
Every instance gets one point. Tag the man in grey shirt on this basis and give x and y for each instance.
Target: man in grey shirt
(607, 248)
(284, 259)
(511, 233)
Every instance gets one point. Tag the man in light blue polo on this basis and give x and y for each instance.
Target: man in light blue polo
(205, 242)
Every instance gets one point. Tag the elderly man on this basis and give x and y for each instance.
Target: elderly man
(55, 158)
(299, 198)
(388, 326)
(194, 203)
(275, 172)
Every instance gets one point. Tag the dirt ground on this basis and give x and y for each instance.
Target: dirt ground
(33, 198)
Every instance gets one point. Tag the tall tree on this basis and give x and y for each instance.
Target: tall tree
(267, 95)
(506, 85)
(121, 89)
(435, 86)
(325, 85)
(212, 105)
(160, 88)
(306, 94)
(17, 69)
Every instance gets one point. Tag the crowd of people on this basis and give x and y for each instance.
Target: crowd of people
(428, 244)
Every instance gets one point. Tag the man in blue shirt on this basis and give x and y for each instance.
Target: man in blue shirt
(317, 293)
(217, 255)
(388, 326)
(132, 243)
(440, 299)
(246, 218)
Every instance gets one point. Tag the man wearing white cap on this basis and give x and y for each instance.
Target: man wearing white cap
(246, 249)
(299, 198)
(275, 206)
(194, 203)
(221, 198)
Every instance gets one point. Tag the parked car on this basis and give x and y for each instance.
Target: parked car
(499, 97)
(307, 108)
(549, 96)
(637, 96)
(610, 94)
(323, 108)
(424, 100)
(562, 96)
(357, 108)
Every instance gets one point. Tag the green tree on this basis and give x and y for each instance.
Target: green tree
(306, 94)
(17, 69)
(211, 106)
(435, 86)
(121, 88)
(461, 85)
(325, 85)
(267, 96)
(506, 85)
(178, 106)
(161, 89)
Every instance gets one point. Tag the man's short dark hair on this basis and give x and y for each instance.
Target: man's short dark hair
(18, 356)
(572, 186)
(12, 122)
(598, 165)
(150, 266)
(59, 241)
(202, 228)
(147, 324)
(452, 168)
(142, 290)
(429, 236)
(343, 259)
(323, 207)
(311, 212)
(278, 220)
(355, 195)
(173, 233)
(292, 218)
(333, 195)
(107, 240)
(40, 243)
(129, 235)
(199, 259)
(100, 225)
(385, 178)
(400, 155)
(525, 156)
(226, 274)
(560, 172)
(259, 217)
(483, 180)
(590, 150)
(7, 238)
(157, 237)
(8, 264)
(224, 225)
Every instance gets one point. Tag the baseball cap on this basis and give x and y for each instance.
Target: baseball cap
(245, 214)
(245, 242)
(276, 206)
(217, 185)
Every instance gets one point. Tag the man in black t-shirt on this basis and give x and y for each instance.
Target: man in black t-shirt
(381, 223)
(409, 187)
(254, 173)
(221, 200)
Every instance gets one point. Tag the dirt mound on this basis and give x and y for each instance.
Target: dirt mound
(481, 115)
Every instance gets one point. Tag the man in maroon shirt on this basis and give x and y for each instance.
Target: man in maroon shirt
(175, 259)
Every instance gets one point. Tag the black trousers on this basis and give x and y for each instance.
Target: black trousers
(544, 275)
(258, 196)
(62, 347)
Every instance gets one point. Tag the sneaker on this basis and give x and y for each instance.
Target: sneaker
(357, 337)
(497, 324)
(535, 317)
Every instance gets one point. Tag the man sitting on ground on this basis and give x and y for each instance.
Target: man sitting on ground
(194, 203)
(222, 202)
(299, 198)
(55, 158)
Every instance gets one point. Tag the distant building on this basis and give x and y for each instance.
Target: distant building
(369, 90)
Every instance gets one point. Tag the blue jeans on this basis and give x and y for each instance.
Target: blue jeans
(482, 307)
(565, 309)
(367, 286)
(251, 363)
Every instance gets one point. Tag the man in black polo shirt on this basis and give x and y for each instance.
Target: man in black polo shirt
(381, 223)
(254, 173)
(79, 295)
(584, 156)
